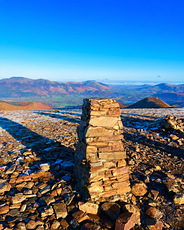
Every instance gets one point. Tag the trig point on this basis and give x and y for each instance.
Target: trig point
(100, 166)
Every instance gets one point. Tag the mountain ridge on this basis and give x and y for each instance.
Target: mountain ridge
(20, 86)
(59, 94)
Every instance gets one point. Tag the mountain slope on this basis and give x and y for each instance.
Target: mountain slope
(171, 97)
(25, 87)
(59, 94)
(150, 102)
(4, 106)
(132, 93)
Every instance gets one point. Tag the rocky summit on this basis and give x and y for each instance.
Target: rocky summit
(37, 183)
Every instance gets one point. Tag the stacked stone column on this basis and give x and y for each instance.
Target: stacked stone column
(100, 166)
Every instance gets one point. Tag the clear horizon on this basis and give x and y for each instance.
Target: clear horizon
(109, 82)
(64, 41)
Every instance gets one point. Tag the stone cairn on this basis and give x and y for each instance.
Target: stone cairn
(100, 166)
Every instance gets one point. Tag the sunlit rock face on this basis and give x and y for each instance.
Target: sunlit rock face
(100, 166)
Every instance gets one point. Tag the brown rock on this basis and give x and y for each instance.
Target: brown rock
(90, 226)
(64, 224)
(18, 198)
(91, 149)
(159, 226)
(153, 224)
(60, 210)
(54, 193)
(154, 213)
(125, 221)
(23, 178)
(21, 185)
(120, 171)
(55, 225)
(111, 138)
(120, 184)
(11, 169)
(23, 208)
(96, 188)
(46, 211)
(108, 194)
(139, 189)
(4, 209)
(15, 206)
(41, 227)
(112, 210)
(45, 167)
(105, 149)
(21, 226)
(89, 207)
(154, 194)
(5, 187)
(103, 121)
(170, 184)
(39, 174)
(80, 216)
(123, 190)
(135, 210)
(114, 112)
(112, 155)
(179, 199)
(31, 224)
(98, 113)
(98, 132)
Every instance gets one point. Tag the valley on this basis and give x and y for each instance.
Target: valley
(58, 94)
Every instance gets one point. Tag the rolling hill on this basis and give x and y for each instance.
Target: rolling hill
(150, 102)
(4, 106)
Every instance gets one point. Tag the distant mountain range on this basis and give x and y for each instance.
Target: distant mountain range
(170, 93)
(25, 87)
(166, 92)
(71, 93)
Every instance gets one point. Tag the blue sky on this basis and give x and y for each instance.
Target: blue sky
(100, 39)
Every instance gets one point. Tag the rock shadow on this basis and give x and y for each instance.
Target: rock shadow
(138, 115)
(44, 149)
(74, 112)
(58, 179)
(59, 116)
(126, 119)
(32, 140)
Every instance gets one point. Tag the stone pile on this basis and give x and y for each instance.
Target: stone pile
(168, 123)
(170, 127)
(100, 165)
